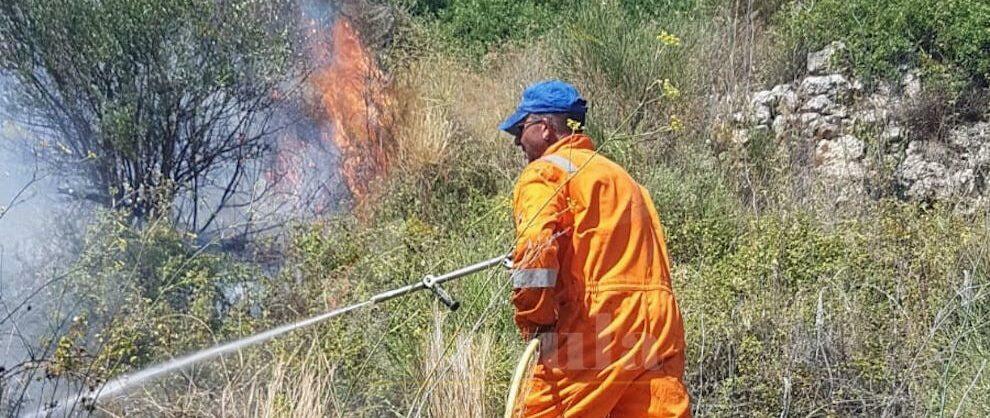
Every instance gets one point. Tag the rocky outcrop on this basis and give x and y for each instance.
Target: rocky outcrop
(841, 158)
(855, 139)
(940, 170)
(827, 60)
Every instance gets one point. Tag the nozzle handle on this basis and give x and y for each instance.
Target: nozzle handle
(430, 283)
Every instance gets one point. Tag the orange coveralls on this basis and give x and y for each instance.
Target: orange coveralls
(591, 264)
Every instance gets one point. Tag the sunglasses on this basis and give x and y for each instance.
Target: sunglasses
(527, 124)
(531, 123)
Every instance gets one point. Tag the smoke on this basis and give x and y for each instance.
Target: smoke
(38, 229)
(331, 141)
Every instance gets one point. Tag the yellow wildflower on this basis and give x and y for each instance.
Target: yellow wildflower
(573, 124)
(675, 124)
(669, 90)
(668, 38)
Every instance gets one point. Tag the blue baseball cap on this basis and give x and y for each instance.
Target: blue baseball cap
(551, 96)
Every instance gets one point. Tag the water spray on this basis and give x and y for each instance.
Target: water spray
(122, 383)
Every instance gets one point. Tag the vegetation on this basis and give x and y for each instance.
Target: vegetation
(796, 303)
(170, 293)
(146, 101)
(471, 28)
(942, 37)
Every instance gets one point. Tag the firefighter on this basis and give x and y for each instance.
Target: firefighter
(591, 275)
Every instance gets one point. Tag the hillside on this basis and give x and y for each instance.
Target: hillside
(820, 169)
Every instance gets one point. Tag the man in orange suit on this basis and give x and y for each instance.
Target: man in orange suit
(591, 273)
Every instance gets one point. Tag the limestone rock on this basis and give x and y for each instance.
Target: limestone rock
(762, 104)
(870, 116)
(788, 102)
(834, 85)
(824, 61)
(846, 147)
(763, 98)
(817, 104)
(782, 124)
(970, 136)
(837, 111)
(841, 158)
(785, 98)
(807, 118)
(762, 115)
(911, 84)
(892, 133)
(781, 89)
(923, 172)
(822, 113)
(822, 129)
(937, 170)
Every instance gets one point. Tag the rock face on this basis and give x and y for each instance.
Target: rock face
(854, 138)
(933, 170)
(824, 61)
(840, 158)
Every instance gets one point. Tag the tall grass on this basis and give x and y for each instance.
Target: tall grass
(261, 383)
(461, 374)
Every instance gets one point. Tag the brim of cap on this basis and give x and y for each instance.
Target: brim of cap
(512, 123)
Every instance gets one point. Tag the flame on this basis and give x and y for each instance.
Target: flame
(352, 93)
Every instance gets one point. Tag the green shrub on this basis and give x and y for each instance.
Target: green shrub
(473, 27)
(379, 351)
(700, 214)
(618, 61)
(881, 36)
(816, 318)
(142, 293)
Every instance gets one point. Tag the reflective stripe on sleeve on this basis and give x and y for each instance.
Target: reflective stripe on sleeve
(561, 162)
(526, 278)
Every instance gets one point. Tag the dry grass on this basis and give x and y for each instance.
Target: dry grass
(290, 391)
(457, 376)
(290, 385)
(448, 108)
(425, 138)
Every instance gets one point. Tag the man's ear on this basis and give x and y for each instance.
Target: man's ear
(548, 133)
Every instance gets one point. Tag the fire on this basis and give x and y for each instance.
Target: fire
(353, 95)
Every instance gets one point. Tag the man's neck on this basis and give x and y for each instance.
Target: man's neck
(576, 140)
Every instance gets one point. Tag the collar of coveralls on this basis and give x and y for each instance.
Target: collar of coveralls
(577, 140)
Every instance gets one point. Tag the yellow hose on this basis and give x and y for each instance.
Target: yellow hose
(520, 376)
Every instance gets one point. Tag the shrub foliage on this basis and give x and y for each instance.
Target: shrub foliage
(947, 36)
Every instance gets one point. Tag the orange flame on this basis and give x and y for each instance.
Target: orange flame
(352, 92)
